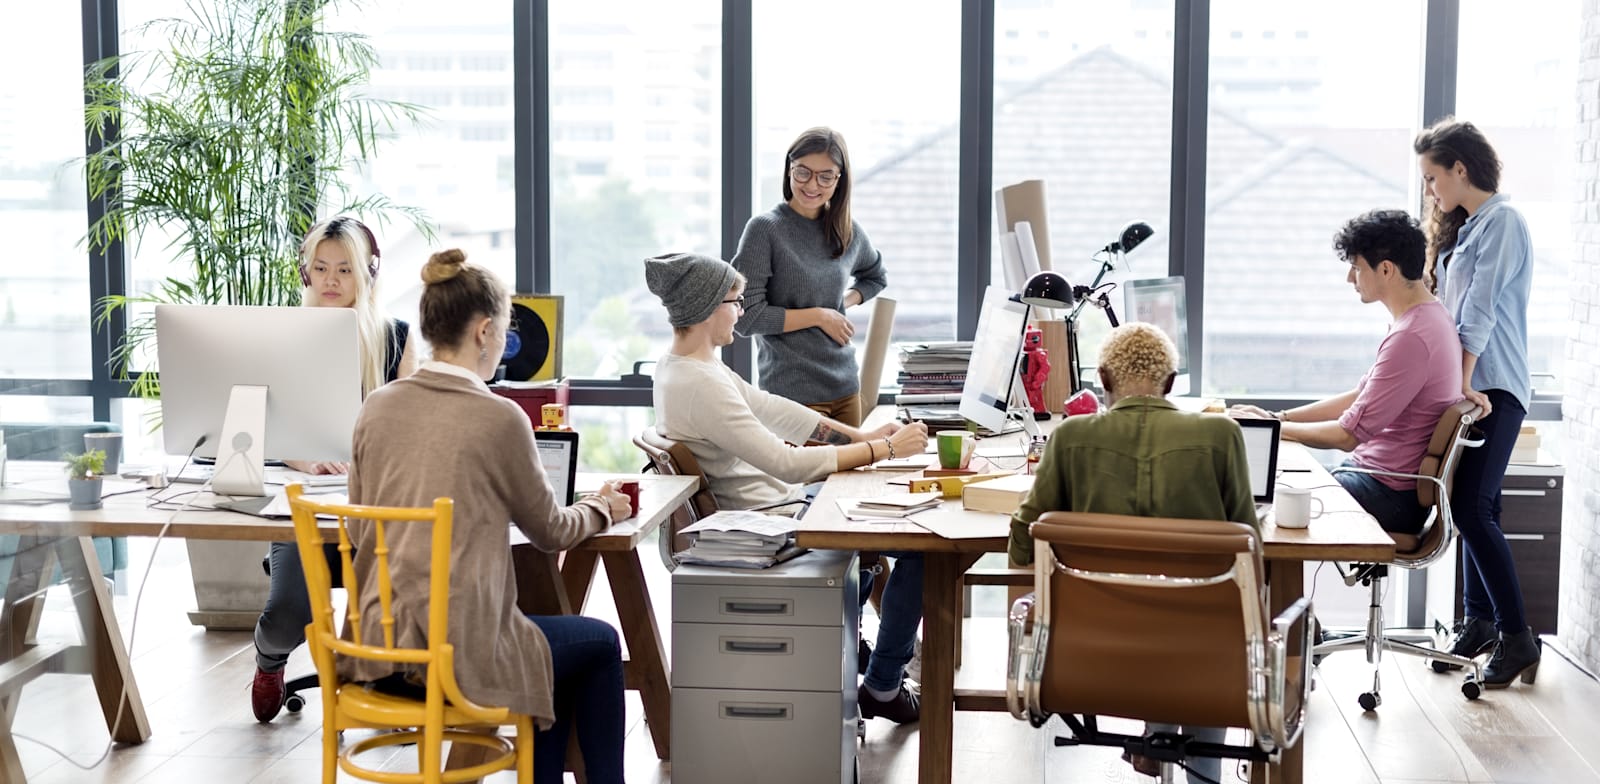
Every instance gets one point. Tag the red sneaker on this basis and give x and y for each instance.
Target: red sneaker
(266, 694)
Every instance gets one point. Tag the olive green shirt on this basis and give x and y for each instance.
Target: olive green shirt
(1141, 457)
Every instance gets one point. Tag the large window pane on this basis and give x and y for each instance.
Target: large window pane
(1083, 101)
(455, 164)
(44, 301)
(1313, 108)
(1522, 99)
(635, 129)
(877, 80)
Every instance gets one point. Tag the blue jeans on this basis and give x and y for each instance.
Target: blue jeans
(1398, 511)
(1210, 767)
(897, 625)
(587, 662)
(1490, 588)
(282, 625)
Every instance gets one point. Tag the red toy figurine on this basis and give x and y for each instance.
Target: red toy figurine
(1035, 368)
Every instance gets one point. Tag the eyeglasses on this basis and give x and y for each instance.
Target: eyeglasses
(824, 178)
(739, 300)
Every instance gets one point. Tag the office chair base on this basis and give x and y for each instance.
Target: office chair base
(294, 702)
(1471, 688)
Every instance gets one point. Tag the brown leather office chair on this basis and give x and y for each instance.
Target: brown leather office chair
(1160, 620)
(670, 458)
(1434, 478)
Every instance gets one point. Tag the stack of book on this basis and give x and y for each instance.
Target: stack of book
(934, 368)
(888, 507)
(746, 540)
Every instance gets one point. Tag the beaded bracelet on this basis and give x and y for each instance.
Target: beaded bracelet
(889, 444)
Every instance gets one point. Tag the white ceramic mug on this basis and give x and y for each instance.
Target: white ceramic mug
(1291, 507)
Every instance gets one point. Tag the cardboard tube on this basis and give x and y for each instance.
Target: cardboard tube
(1025, 201)
(1011, 262)
(879, 325)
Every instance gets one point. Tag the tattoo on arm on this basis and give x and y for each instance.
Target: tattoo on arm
(826, 434)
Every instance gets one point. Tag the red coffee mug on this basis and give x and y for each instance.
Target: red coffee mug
(631, 490)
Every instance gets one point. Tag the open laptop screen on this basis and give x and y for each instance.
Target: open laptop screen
(558, 453)
(1261, 448)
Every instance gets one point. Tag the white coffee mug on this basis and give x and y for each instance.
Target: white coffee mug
(1291, 507)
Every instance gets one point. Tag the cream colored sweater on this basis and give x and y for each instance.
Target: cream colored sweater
(439, 433)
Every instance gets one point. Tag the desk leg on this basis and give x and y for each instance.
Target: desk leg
(941, 616)
(19, 619)
(113, 672)
(577, 573)
(646, 668)
(540, 590)
(1285, 586)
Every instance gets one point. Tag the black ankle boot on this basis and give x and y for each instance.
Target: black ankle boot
(1473, 637)
(1515, 655)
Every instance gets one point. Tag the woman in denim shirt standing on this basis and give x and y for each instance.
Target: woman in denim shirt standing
(1481, 258)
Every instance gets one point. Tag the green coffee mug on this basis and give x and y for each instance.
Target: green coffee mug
(955, 449)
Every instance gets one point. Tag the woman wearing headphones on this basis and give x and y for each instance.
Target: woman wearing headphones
(338, 266)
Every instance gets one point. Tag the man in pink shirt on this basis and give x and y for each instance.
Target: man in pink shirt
(1386, 421)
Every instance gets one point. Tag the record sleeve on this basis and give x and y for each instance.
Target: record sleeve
(533, 348)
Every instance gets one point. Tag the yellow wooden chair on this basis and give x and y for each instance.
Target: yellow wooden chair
(445, 714)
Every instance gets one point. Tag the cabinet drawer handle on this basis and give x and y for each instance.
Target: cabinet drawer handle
(737, 645)
(1534, 493)
(1524, 537)
(767, 711)
(751, 607)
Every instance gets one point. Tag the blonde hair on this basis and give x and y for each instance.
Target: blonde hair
(1138, 351)
(456, 292)
(372, 327)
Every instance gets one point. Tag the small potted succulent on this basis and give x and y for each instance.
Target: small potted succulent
(84, 478)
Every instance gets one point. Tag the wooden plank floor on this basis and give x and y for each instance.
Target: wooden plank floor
(196, 689)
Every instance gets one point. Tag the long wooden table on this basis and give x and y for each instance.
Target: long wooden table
(52, 532)
(1344, 532)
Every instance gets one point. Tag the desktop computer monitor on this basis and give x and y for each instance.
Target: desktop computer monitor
(257, 382)
(1161, 301)
(992, 370)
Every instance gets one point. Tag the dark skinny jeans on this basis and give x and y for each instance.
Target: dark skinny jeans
(1489, 577)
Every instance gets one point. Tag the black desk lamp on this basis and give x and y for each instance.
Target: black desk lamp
(1048, 289)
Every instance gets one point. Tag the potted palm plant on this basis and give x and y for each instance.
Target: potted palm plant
(222, 143)
(84, 478)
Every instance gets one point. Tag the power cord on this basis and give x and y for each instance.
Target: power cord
(133, 630)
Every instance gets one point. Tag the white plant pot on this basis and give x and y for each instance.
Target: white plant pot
(84, 493)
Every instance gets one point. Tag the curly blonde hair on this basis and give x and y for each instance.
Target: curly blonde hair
(1138, 351)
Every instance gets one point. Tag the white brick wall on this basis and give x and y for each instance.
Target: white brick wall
(1579, 623)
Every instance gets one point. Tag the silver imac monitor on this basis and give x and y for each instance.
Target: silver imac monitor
(992, 371)
(257, 382)
(1161, 301)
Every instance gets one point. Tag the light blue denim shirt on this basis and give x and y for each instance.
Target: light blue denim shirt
(1484, 281)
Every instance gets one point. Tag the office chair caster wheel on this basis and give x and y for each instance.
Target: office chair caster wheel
(1370, 701)
(1471, 689)
(294, 703)
(861, 730)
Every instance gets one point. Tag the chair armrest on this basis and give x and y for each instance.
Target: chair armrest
(1285, 726)
(1022, 673)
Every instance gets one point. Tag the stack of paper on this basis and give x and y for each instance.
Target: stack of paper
(747, 540)
(892, 506)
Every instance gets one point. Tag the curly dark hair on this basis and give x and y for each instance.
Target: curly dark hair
(1446, 143)
(1383, 235)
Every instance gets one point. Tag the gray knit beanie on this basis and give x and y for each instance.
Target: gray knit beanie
(690, 285)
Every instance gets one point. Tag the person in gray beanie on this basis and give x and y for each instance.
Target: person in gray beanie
(690, 285)
(741, 437)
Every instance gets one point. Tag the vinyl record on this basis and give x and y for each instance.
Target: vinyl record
(533, 352)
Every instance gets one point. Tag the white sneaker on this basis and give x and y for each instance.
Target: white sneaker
(914, 667)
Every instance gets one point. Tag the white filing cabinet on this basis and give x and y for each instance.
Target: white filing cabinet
(764, 672)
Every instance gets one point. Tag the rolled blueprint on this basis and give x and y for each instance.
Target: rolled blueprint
(879, 325)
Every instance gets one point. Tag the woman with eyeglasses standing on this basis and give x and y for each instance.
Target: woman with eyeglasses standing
(806, 263)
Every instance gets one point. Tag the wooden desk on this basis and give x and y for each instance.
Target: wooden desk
(54, 532)
(1343, 532)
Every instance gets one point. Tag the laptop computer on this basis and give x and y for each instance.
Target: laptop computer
(558, 453)
(1261, 450)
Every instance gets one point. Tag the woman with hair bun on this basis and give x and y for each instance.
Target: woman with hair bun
(1481, 256)
(339, 261)
(442, 433)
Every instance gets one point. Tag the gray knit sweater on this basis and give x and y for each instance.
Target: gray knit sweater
(786, 259)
